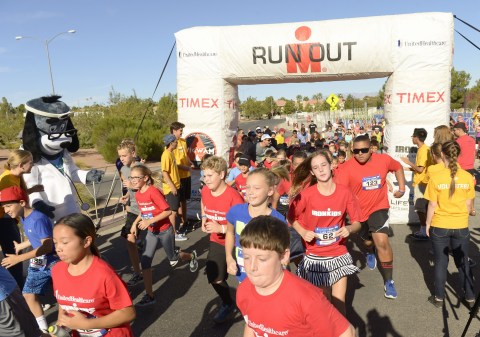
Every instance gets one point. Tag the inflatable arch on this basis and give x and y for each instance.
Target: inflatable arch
(414, 51)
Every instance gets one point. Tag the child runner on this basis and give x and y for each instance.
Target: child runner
(154, 216)
(171, 182)
(127, 155)
(217, 199)
(318, 214)
(272, 300)
(38, 229)
(18, 163)
(92, 299)
(259, 190)
(241, 179)
(450, 192)
(366, 177)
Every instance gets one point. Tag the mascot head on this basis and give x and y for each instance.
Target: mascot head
(48, 129)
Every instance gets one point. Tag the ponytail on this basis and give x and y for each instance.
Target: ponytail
(451, 151)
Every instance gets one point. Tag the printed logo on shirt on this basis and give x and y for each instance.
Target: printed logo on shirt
(267, 331)
(328, 212)
(459, 186)
(371, 183)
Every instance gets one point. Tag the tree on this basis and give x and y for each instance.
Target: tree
(458, 88)
(270, 105)
(299, 101)
(6, 108)
(381, 96)
(289, 107)
(473, 96)
(252, 108)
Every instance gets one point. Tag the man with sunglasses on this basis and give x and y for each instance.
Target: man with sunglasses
(366, 176)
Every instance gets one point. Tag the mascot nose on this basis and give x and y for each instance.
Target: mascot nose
(64, 145)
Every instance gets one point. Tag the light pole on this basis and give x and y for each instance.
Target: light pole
(47, 42)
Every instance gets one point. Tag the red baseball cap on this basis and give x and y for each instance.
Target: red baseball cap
(12, 193)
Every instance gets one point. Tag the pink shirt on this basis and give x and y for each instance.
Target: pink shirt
(466, 159)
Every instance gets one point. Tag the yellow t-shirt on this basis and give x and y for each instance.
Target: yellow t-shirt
(423, 159)
(451, 213)
(170, 166)
(181, 157)
(432, 169)
(280, 139)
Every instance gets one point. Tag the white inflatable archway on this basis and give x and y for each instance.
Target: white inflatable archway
(414, 50)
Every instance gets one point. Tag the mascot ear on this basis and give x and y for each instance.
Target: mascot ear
(75, 145)
(30, 137)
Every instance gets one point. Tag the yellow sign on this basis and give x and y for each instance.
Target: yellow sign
(333, 108)
(332, 100)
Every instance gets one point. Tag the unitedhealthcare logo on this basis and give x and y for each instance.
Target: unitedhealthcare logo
(420, 43)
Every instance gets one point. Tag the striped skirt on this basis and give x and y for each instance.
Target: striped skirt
(326, 271)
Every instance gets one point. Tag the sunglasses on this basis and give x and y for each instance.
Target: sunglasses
(363, 150)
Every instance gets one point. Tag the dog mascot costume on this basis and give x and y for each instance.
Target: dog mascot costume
(50, 136)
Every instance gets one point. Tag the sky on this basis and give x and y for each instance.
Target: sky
(124, 45)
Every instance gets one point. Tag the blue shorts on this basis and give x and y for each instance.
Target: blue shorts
(38, 280)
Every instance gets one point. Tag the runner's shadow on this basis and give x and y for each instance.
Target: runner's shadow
(380, 326)
(207, 327)
(421, 251)
(353, 317)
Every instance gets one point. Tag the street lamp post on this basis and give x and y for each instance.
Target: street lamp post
(47, 42)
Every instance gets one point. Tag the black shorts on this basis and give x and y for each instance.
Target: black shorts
(216, 266)
(185, 191)
(131, 217)
(173, 201)
(377, 222)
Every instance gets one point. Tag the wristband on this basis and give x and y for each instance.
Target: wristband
(403, 192)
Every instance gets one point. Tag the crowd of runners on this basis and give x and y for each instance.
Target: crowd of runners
(289, 196)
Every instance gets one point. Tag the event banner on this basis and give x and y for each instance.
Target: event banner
(414, 51)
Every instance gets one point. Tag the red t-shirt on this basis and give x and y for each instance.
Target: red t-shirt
(466, 159)
(151, 203)
(241, 185)
(96, 293)
(283, 202)
(267, 165)
(216, 208)
(297, 308)
(367, 182)
(326, 214)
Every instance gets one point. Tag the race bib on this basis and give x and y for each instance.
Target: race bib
(283, 200)
(38, 262)
(371, 183)
(146, 216)
(326, 236)
(239, 256)
(92, 333)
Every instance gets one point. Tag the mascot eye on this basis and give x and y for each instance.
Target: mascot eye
(53, 136)
(71, 133)
(52, 129)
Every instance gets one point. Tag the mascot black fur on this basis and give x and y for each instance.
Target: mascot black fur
(50, 136)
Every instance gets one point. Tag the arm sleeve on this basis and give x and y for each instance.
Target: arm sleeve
(43, 228)
(431, 191)
(116, 292)
(77, 175)
(297, 209)
(159, 200)
(353, 207)
(393, 165)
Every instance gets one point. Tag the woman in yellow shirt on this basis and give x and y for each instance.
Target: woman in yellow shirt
(450, 191)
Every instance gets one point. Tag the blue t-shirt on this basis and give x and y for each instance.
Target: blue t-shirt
(7, 283)
(239, 217)
(37, 226)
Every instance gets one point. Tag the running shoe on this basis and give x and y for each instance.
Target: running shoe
(173, 263)
(146, 300)
(46, 306)
(390, 291)
(371, 261)
(193, 262)
(436, 302)
(224, 313)
(180, 237)
(135, 279)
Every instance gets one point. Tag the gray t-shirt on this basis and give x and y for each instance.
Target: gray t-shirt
(125, 170)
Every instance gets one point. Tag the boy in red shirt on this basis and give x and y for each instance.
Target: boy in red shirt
(272, 300)
(217, 199)
(241, 179)
(366, 177)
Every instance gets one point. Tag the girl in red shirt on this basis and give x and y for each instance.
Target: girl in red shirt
(154, 213)
(93, 300)
(318, 214)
